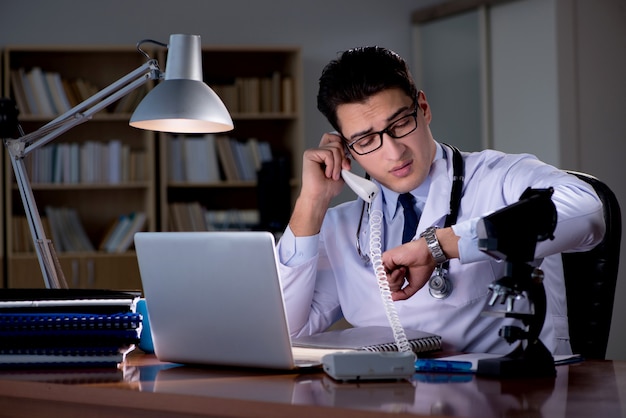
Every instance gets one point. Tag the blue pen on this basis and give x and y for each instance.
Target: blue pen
(449, 366)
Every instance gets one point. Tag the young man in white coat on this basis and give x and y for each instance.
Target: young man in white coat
(382, 121)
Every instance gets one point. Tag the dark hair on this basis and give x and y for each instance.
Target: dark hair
(358, 74)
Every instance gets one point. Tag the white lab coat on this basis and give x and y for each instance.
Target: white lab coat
(332, 282)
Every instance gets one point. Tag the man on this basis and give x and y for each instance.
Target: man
(382, 122)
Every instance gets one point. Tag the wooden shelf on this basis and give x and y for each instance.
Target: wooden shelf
(100, 203)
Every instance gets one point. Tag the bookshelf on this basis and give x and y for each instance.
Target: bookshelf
(262, 89)
(101, 170)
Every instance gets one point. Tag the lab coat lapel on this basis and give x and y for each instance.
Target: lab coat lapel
(438, 202)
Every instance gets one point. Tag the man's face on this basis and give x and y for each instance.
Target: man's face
(399, 164)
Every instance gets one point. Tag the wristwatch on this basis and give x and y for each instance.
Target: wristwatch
(433, 244)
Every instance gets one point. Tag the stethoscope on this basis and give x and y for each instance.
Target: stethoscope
(439, 284)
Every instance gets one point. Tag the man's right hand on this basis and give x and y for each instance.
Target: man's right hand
(321, 182)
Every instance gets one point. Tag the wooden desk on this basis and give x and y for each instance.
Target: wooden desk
(145, 387)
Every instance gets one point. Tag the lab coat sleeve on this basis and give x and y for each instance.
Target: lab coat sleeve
(580, 220)
(310, 294)
(468, 242)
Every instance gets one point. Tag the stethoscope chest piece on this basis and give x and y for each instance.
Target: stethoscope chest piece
(439, 285)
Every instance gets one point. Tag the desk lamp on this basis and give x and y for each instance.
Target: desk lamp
(181, 103)
(511, 234)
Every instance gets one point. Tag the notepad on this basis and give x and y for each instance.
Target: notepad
(371, 338)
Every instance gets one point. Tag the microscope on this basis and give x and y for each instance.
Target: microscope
(511, 234)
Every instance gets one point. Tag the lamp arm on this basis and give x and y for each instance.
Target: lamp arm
(48, 262)
(24, 145)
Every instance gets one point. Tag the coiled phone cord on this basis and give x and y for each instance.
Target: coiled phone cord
(376, 219)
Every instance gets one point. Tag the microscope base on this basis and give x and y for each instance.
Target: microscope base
(532, 362)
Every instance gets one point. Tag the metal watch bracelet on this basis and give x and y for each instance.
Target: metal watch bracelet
(433, 245)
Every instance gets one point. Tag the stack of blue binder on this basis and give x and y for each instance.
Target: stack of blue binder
(67, 327)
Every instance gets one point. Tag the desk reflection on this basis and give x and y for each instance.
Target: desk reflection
(426, 394)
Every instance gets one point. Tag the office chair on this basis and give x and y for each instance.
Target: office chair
(590, 280)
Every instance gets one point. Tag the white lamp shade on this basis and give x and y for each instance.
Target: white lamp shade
(182, 103)
(183, 106)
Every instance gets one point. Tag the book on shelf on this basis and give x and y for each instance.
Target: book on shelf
(265, 94)
(370, 338)
(187, 216)
(57, 92)
(199, 158)
(249, 94)
(287, 103)
(118, 237)
(232, 219)
(42, 102)
(19, 92)
(227, 158)
(175, 160)
(244, 167)
(137, 223)
(113, 161)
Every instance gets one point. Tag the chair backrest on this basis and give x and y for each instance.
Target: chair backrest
(590, 280)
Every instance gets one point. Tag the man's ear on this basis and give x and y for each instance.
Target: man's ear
(423, 107)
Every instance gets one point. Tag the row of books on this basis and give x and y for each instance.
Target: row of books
(110, 162)
(64, 227)
(213, 158)
(53, 328)
(46, 93)
(192, 216)
(272, 94)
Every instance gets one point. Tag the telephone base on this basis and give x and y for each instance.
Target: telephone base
(366, 365)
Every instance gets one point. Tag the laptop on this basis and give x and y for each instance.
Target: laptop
(215, 298)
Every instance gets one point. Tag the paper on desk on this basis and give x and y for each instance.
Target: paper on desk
(474, 357)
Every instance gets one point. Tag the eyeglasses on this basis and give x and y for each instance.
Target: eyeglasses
(397, 129)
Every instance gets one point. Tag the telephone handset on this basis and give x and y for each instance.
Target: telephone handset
(363, 187)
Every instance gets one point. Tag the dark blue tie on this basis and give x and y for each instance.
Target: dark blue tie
(410, 216)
